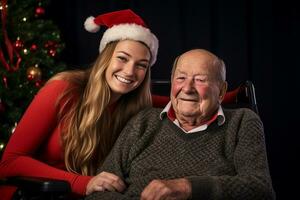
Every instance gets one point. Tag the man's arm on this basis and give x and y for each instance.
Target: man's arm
(252, 179)
(119, 159)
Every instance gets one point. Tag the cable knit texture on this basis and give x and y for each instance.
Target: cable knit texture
(222, 162)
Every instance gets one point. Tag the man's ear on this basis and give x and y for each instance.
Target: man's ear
(223, 90)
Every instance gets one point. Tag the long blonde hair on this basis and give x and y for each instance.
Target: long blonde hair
(89, 127)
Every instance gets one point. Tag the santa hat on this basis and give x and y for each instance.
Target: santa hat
(123, 24)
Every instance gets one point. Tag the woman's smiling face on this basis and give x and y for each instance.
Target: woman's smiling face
(128, 67)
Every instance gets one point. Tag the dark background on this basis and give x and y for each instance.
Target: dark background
(257, 39)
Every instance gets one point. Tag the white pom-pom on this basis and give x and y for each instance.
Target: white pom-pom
(90, 25)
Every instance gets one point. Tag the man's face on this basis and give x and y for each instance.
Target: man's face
(195, 91)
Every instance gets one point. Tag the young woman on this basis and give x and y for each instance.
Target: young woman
(74, 120)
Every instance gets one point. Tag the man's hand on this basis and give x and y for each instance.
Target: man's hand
(167, 189)
(105, 181)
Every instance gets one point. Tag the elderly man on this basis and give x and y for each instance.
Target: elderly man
(193, 148)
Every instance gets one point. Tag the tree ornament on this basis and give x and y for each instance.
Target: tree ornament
(4, 79)
(38, 83)
(51, 47)
(50, 44)
(52, 52)
(33, 47)
(34, 73)
(18, 44)
(39, 11)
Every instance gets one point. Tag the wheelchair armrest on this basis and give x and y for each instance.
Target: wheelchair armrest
(40, 184)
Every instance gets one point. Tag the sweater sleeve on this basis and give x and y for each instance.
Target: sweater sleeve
(33, 130)
(119, 159)
(252, 179)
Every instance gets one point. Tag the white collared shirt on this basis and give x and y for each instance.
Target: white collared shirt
(220, 118)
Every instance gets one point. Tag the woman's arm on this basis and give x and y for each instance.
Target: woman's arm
(37, 125)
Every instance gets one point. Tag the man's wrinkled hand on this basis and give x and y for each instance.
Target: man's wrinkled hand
(167, 189)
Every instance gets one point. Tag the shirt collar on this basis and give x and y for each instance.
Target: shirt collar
(168, 110)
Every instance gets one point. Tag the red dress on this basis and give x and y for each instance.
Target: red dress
(34, 148)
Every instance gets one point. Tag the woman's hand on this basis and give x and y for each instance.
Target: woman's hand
(105, 181)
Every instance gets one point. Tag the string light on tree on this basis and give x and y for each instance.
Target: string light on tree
(25, 51)
(1, 6)
(2, 145)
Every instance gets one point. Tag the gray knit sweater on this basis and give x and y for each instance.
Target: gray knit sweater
(222, 162)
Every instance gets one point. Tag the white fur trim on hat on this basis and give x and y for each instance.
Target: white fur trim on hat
(90, 25)
(133, 32)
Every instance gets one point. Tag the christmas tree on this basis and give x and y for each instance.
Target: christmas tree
(30, 46)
